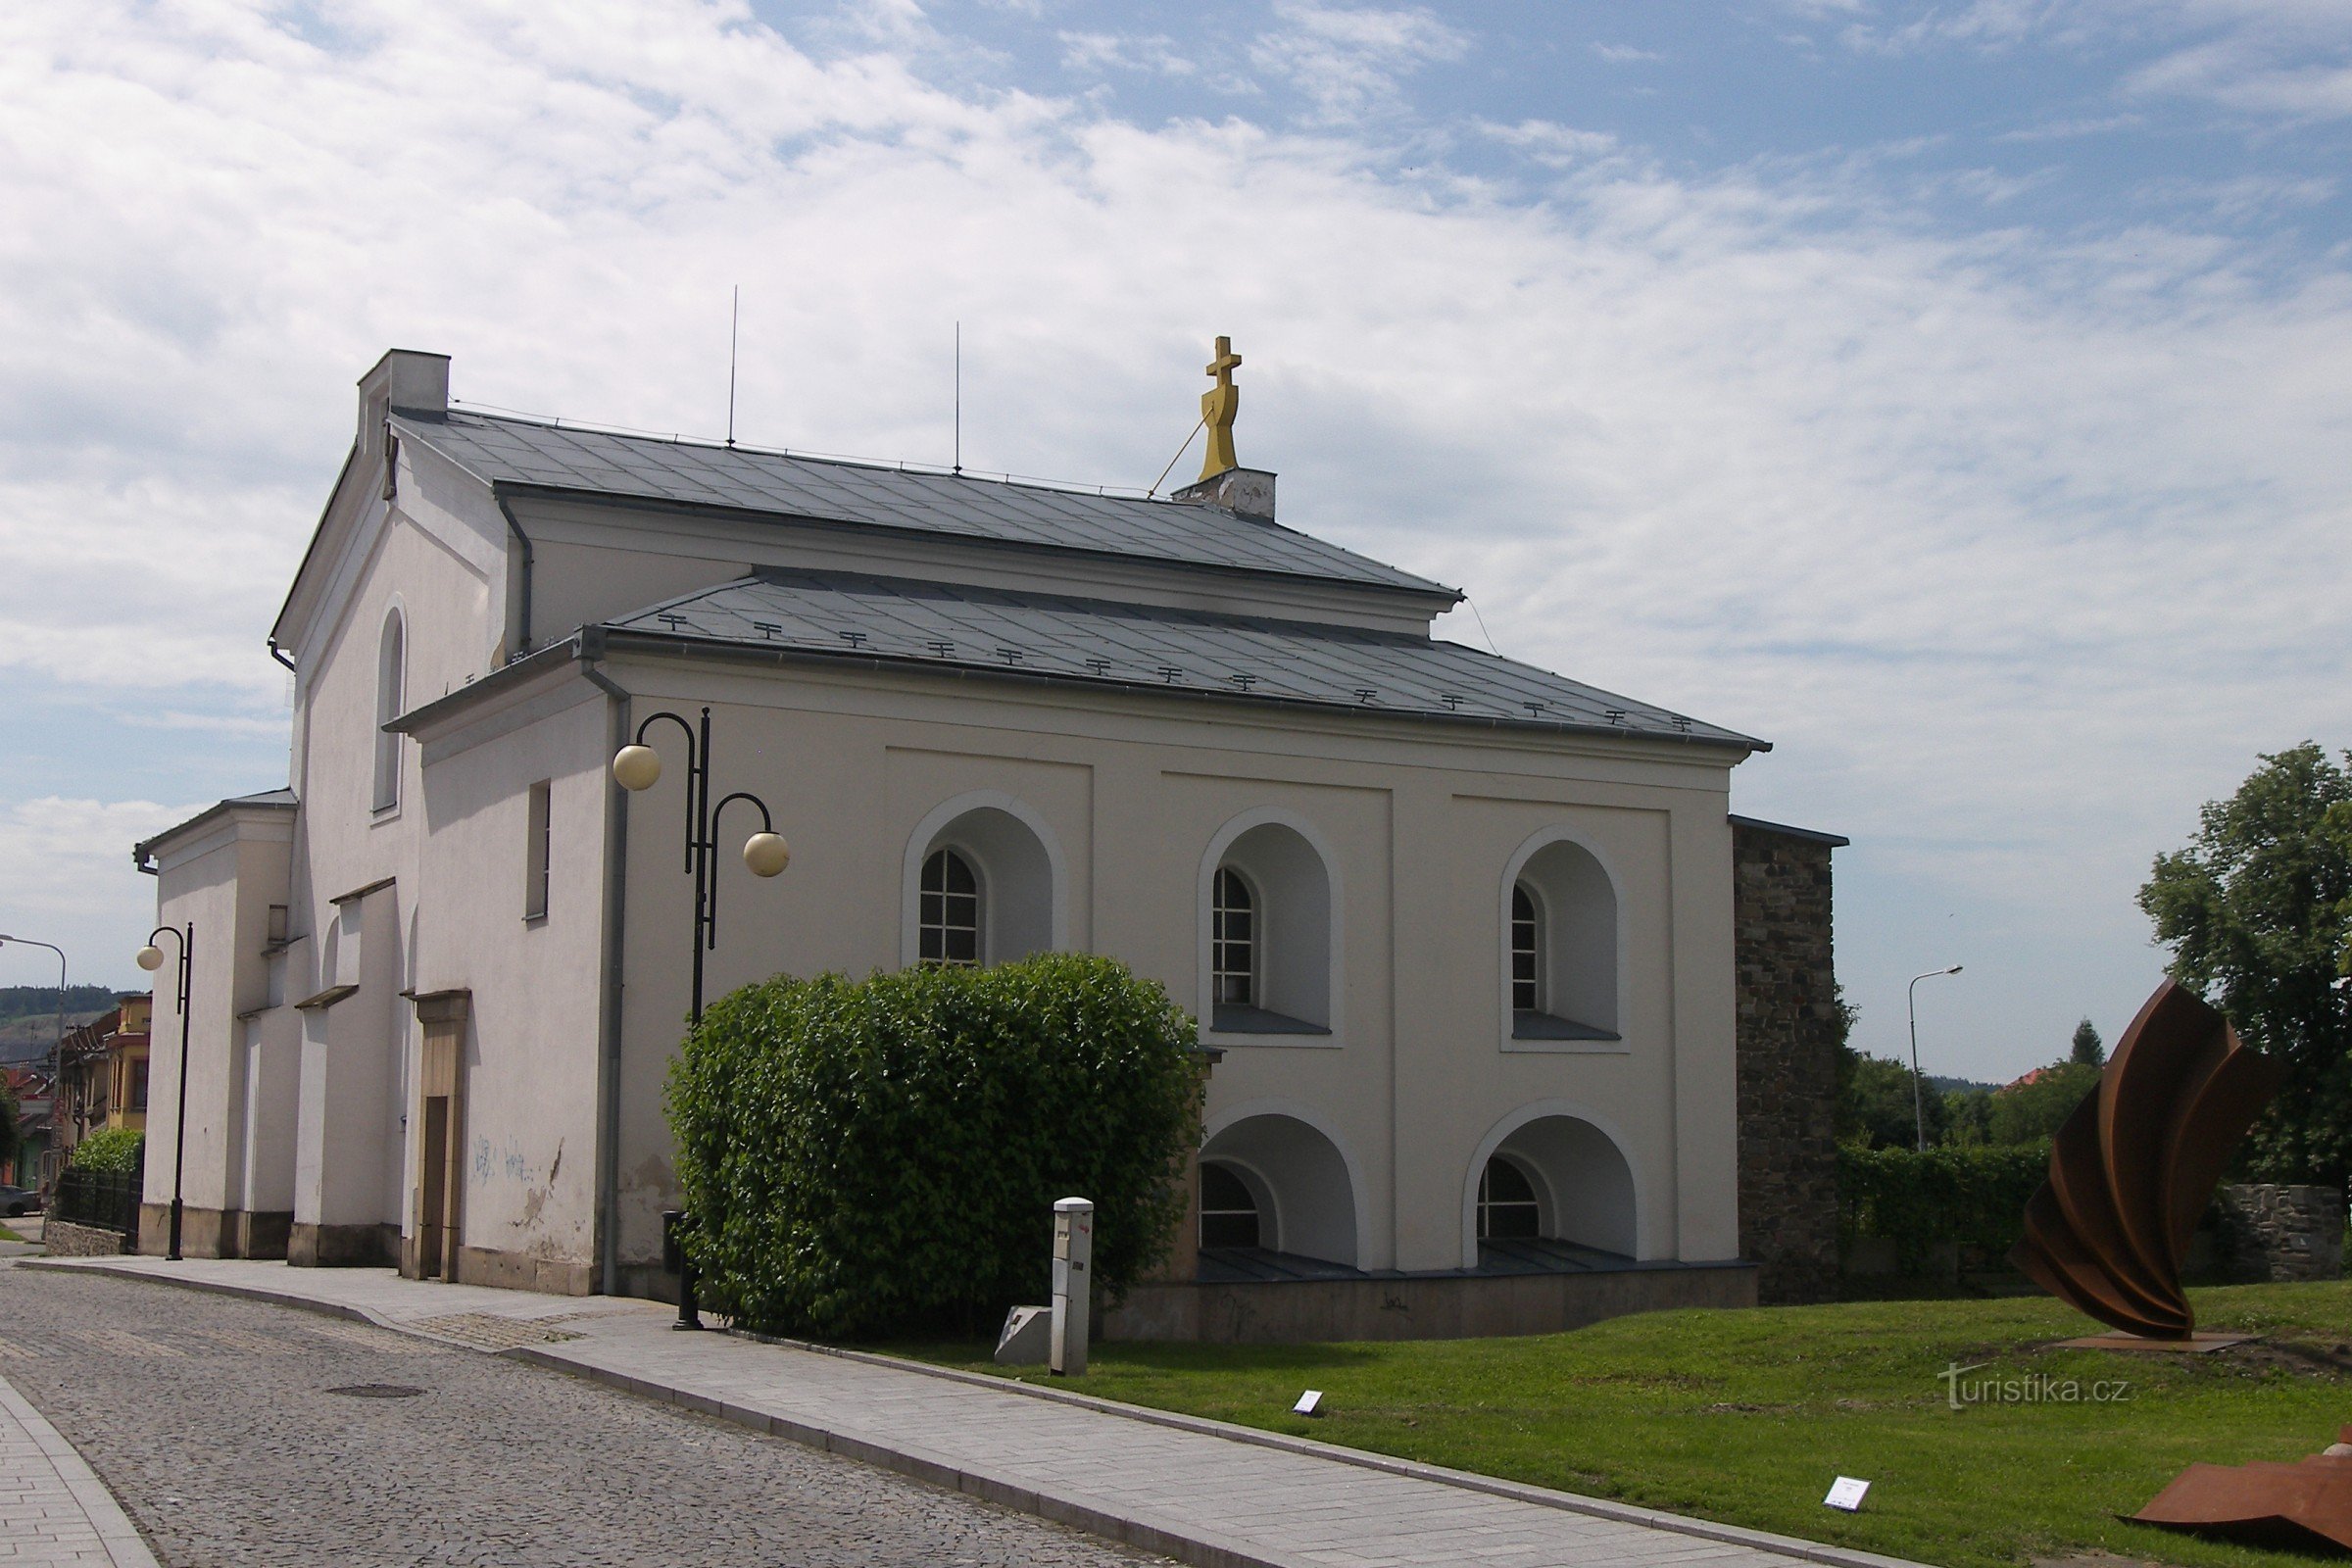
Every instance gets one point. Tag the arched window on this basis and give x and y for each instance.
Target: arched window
(1233, 940)
(1507, 1210)
(1559, 943)
(1228, 1211)
(983, 884)
(1269, 949)
(1526, 951)
(949, 918)
(391, 675)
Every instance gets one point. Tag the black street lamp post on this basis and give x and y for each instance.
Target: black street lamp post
(151, 959)
(637, 767)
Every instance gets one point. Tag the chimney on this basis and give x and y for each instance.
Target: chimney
(1244, 492)
(403, 381)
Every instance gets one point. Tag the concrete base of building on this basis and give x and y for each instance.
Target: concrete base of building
(1406, 1306)
(342, 1245)
(520, 1271)
(214, 1233)
(66, 1239)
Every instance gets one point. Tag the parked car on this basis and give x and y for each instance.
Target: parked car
(14, 1201)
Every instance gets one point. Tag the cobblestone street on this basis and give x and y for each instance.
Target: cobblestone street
(219, 1425)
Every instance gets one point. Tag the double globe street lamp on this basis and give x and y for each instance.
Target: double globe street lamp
(151, 959)
(638, 767)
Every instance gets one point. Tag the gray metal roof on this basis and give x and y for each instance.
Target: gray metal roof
(1101, 642)
(524, 451)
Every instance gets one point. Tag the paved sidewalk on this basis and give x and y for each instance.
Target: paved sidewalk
(1201, 1492)
(52, 1508)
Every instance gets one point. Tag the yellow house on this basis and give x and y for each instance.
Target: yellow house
(126, 1065)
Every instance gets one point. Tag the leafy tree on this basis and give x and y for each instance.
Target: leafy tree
(2088, 1049)
(2258, 914)
(117, 1149)
(2025, 1112)
(1967, 1114)
(1874, 1108)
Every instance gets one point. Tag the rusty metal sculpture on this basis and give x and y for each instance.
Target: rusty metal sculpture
(2135, 1164)
(2299, 1506)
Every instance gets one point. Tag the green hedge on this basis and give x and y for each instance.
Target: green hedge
(1972, 1194)
(114, 1150)
(862, 1158)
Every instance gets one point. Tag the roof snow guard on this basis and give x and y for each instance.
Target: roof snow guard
(526, 454)
(1096, 642)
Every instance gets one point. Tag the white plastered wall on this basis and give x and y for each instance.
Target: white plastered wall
(1421, 825)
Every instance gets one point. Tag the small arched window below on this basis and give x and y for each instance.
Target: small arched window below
(1507, 1210)
(1228, 1212)
(1233, 940)
(949, 923)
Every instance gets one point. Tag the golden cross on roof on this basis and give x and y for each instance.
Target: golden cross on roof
(1218, 405)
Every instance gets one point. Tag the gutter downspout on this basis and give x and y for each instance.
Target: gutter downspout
(522, 639)
(280, 654)
(590, 646)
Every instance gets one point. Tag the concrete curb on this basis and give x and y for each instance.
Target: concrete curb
(100, 1509)
(1185, 1540)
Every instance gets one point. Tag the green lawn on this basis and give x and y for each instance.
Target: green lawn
(7, 1235)
(1748, 1416)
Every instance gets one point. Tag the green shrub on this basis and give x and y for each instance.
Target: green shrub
(1974, 1196)
(881, 1156)
(114, 1150)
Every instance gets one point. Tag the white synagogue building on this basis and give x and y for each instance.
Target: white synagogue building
(1510, 1015)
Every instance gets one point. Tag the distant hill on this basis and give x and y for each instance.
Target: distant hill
(1966, 1084)
(28, 1016)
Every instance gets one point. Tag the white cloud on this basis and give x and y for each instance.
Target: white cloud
(1348, 58)
(1624, 54)
(66, 878)
(2290, 59)
(2020, 547)
(1153, 54)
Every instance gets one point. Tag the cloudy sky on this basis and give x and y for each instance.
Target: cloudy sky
(1956, 394)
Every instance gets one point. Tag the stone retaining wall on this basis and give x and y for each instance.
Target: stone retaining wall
(2283, 1233)
(1787, 1061)
(66, 1240)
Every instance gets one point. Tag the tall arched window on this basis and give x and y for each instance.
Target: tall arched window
(1526, 951)
(1233, 940)
(1560, 949)
(391, 674)
(1270, 945)
(948, 922)
(1507, 1210)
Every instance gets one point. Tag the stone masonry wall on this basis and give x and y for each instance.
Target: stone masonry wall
(2283, 1233)
(64, 1240)
(1788, 1061)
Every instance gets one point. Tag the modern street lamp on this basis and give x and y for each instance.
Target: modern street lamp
(638, 767)
(57, 1049)
(1919, 1105)
(151, 959)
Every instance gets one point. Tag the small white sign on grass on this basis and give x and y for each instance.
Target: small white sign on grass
(1846, 1492)
(1310, 1403)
